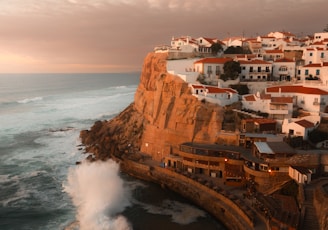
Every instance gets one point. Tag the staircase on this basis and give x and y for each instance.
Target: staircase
(310, 220)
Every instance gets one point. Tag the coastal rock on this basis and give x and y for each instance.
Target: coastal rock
(163, 115)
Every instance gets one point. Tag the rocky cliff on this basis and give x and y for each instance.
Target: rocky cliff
(163, 115)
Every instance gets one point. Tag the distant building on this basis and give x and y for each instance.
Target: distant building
(301, 128)
(255, 70)
(283, 69)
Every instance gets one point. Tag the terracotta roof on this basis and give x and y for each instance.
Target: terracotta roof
(316, 64)
(277, 100)
(255, 61)
(305, 123)
(296, 89)
(265, 96)
(212, 89)
(284, 60)
(198, 86)
(274, 51)
(213, 60)
(250, 98)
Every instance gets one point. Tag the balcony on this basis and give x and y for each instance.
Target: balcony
(319, 103)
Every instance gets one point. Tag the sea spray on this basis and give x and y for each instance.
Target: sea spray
(99, 194)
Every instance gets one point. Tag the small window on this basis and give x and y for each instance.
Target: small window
(317, 72)
(306, 72)
(311, 54)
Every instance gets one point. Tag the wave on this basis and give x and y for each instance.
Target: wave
(99, 195)
(29, 100)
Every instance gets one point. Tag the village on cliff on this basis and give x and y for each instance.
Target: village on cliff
(274, 89)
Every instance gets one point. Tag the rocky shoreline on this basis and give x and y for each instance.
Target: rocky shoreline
(164, 114)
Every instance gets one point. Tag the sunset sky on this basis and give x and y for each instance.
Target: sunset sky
(115, 35)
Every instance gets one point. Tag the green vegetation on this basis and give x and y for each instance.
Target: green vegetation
(232, 70)
(237, 50)
(216, 48)
(242, 89)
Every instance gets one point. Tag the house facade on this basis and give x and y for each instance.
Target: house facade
(211, 68)
(300, 174)
(283, 69)
(300, 128)
(255, 70)
(315, 72)
(320, 36)
(313, 100)
(272, 55)
(315, 55)
(276, 107)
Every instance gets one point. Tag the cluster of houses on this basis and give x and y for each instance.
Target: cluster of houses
(285, 75)
(287, 78)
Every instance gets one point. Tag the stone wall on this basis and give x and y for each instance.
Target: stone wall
(220, 206)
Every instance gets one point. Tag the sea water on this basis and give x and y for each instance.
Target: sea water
(41, 116)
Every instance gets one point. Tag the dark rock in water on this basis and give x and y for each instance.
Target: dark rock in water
(78, 162)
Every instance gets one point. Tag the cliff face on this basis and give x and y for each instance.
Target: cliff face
(163, 115)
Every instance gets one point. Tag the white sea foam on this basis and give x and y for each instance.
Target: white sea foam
(180, 213)
(28, 100)
(99, 195)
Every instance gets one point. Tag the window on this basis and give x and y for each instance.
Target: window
(217, 70)
(251, 69)
(311, 54)
(243, 68)
(322, 55)
(209, 69)
(267, 69)
(259, 69)
(317, 72)
(283, 68)
(299, 72)
(306, 72)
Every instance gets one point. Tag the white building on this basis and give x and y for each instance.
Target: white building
(314, 72)
(300, 128)
(276, 107)
(255, 70)
(283, 69)
(315, 55)
(313, 100)
(282, 34)
(272, 55)
(220, 96)
(320, 36)
(300, 174)
(211, 68)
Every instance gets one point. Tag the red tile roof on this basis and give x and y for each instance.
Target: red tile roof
(255, 61)
(296, 89)
(284, 60)
(213, 60)
(305, 123)
(316, 64)
(278, 100)
(212, 89)
(249, 98)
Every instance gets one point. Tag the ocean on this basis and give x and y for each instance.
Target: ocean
(41, 187)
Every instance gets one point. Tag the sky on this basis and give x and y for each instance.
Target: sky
(65, 36)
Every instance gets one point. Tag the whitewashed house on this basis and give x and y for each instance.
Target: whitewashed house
(320, 36)
(255, 70)
(300, 174)
(283, 69)
(211, 68)
(204, 44)
(282, 34)
(217, 95)
(233, 41)
(267, 42)
(272, 55)
(314, 72)
(300, 128)
(313, 100)
(276, 107)
(184, 44)
(315, 55)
